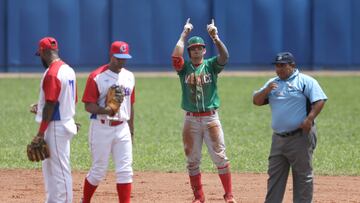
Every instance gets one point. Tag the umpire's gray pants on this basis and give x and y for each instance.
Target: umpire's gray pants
(296, 152)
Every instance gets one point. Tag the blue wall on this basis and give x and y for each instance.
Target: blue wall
(322, 34)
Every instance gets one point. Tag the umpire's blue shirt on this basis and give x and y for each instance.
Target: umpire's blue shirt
(288, 100)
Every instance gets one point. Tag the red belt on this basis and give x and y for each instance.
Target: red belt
(197, 114)
(111, 123)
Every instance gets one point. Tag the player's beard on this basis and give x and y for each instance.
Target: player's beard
(44, 63)
(120, 63)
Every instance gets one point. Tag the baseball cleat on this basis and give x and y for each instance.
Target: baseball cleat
(229, 199)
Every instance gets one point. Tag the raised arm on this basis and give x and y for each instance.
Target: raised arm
(223, 52)
(177, 55)
(179, 47)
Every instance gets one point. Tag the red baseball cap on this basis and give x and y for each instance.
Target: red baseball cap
(120, 50)
(47, 43)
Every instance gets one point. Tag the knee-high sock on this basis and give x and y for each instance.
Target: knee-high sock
(88, 191)
(196, 186)
(124, 192)
(226, 182)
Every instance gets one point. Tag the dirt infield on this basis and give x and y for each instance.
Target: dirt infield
(26, 186)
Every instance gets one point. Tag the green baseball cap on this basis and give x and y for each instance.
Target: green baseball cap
(195, 41)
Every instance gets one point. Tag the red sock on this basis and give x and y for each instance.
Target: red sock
(124, 192)
(88, 191)
(226, 182)
(196, 186)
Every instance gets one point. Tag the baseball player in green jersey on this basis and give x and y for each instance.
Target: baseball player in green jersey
(200, 100)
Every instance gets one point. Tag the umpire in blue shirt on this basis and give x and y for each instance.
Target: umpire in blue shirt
(295, 100)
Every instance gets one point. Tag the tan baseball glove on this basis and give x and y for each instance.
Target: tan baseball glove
(38, 150)
(114, 98)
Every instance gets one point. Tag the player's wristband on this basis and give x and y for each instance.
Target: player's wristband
(43, 126)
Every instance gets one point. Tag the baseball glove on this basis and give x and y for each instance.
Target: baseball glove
(114, 98)
(38, 150)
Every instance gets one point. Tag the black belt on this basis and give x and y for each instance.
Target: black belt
(287, 134)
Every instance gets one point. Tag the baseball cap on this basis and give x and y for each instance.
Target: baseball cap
(195, 41)
(284, 57)
(120, 50)
(47, 43)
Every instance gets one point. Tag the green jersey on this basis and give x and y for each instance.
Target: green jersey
(199, 85)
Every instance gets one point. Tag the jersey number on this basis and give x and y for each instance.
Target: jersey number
(71, 83)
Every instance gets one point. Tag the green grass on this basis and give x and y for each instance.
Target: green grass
(159, 118)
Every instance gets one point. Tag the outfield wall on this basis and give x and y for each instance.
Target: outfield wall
(321, 33)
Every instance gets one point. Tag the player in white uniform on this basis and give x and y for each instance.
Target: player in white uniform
(55, 111)
(110, 135)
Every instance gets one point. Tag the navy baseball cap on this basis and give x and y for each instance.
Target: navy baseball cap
(284, 57)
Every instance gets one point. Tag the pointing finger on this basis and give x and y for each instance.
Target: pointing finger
(188, 21)
(212, 21)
